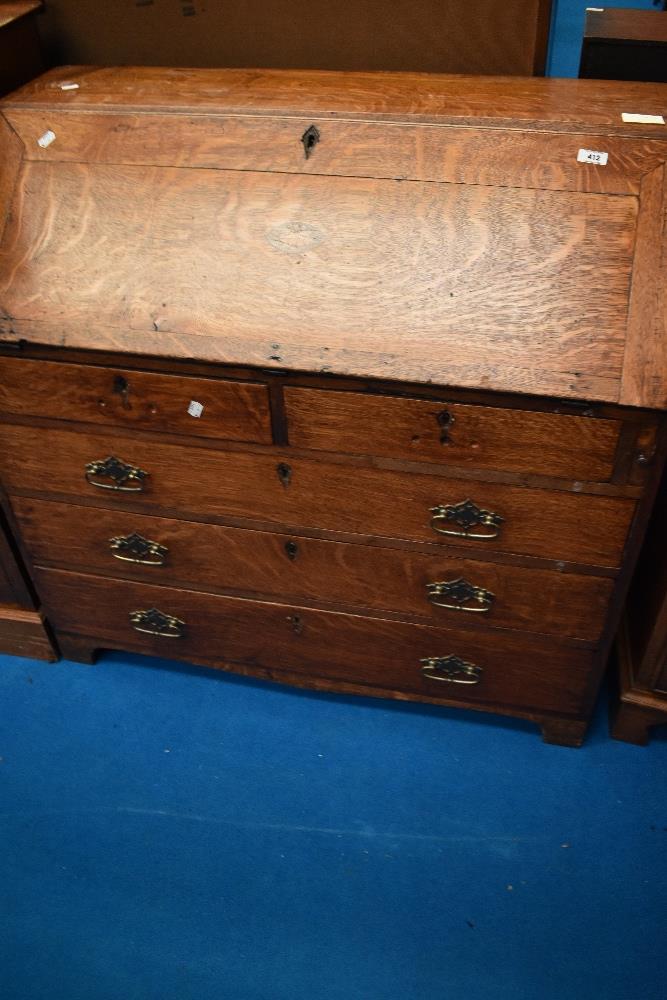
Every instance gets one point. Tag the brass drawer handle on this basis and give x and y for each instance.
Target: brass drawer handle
(467, 516)
(460, 595)
(113, 474)
(155, 622)
(135, 548)
(451, 669)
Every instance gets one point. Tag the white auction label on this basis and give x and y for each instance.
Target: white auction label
(592, 156)
(195, 409)
(643, 119)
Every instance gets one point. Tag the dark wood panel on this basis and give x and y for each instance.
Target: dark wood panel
(301, 492)
(385, 654)
(22, 633)
(484, 437)
(236, 411)
(215, 557)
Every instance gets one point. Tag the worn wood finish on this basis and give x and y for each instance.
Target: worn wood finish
(383, 654)
(452, 434)
(222, 558)
(279, 254)
(560, 526)
(23, 633)
(547, 103)
(436, 244)
(346, 149)
(235, 411)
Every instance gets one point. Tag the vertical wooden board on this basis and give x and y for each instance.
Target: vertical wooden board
(644, 380)
(11, 152)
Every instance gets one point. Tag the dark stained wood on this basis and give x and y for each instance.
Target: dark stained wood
(236, 411)
(564, 732)
(22, 633)
(550, 103)
(282, 254)
(422, 35)
(562, 526)
(445, 432)
(215, 557)
(346, 149)
(20, 50)
(12, 150)
(526, 672)
(624, 45)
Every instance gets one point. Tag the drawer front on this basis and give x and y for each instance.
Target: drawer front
(494, 669)
(214, 408)
(307, 493)
(481, 437)
(446, 588)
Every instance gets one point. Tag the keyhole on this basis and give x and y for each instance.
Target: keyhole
(122, 387)
(296, 623)
(284, 473)
(292, 549)
(445, 421)
(310, 139)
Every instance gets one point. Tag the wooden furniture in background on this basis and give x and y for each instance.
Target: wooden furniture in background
(22, 631)
(416, 35)
(642, 644)
(625, 45)
(349, 381)
(20, 47)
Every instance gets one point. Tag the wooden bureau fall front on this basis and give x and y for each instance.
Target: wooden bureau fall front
(351, 381)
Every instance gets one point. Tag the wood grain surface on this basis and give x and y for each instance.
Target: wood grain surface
(489, 287)
(231, 410)
(300, 492)
(449, 154)
(484, 437)
(288, 567)
(524, 672)
(524, 101)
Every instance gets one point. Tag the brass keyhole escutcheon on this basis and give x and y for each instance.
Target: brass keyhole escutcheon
(284, 473)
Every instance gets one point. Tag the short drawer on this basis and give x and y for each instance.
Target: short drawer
(435, 663)
(443, 587)
(482, 437)
(205, 407)
(307, 493)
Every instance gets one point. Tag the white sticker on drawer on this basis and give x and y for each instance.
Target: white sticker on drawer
(195, 409)
(643, 119)
(46, 139)
(592, 156)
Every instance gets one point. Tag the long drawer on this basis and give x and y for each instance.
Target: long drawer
(449, 664)
(274, 487)
(444, 587)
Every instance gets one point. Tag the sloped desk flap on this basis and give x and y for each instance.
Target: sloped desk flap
(371, 252)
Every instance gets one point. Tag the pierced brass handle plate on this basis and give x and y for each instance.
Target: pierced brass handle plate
(155, 622)
(460, 595)
(451, 669)
(465, 520)
(135, 548)
(113, 474)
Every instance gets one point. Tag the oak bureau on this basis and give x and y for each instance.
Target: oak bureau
(351, 381)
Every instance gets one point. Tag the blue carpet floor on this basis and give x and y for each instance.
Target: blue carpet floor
(169, 834)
